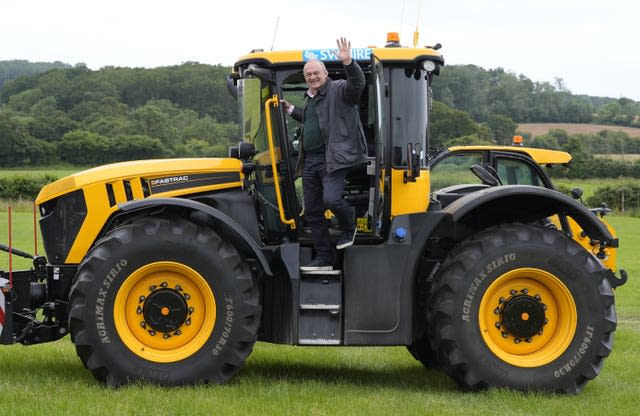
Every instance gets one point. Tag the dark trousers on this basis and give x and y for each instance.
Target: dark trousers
(324, 191)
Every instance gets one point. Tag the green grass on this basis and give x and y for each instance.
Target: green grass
(57, 171)
(50, 379)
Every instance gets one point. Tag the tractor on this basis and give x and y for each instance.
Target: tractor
(169, 271)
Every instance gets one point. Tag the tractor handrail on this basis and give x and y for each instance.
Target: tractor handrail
(267, 109)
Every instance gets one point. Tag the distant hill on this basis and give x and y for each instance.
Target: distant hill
(17, 68)
(537, 129)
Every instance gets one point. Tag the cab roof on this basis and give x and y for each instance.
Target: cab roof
(540, 156)
(297, 57)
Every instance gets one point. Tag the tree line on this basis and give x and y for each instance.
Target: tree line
(19, 68)
(482, 93)
(79, 116)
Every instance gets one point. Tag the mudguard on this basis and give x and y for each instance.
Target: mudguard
(228, 226)
(524, 203)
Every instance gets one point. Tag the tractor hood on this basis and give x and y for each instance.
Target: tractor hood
(154, 176)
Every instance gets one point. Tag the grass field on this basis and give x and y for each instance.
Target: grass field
(50, 379)
(537, 129)
(57, 171)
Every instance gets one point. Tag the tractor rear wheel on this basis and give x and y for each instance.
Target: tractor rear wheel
(165, 301)
(521, 307)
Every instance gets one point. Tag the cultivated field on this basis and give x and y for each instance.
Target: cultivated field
(536, 129)
(632, 157)
(50, 379)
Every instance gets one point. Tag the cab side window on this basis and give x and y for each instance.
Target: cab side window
(454, 170)
(516, 172)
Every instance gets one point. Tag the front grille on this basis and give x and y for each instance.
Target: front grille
(60, 222)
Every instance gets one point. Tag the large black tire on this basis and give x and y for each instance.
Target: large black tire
(163, 301)
(421, 349)
(521, 307)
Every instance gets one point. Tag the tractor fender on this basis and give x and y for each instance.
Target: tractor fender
(525, 203)
(229, 227)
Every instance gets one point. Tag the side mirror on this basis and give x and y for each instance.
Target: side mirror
(484, 175)
(243, 151)
(576, 193)
(246, 150)
(231, 86)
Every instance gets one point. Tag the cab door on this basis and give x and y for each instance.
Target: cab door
(378, 104)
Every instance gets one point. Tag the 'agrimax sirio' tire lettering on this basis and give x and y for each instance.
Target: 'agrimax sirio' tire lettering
(165, 301)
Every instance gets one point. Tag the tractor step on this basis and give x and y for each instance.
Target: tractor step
(320, 308)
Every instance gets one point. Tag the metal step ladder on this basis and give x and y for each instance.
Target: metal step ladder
(320, 308)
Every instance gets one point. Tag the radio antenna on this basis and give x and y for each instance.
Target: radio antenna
(416, 34)
(275, 31)
(401, 16)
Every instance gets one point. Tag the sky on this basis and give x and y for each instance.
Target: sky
(592, 45)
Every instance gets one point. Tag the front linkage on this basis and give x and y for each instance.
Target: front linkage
(25, 293)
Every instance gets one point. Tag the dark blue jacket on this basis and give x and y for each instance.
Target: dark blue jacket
(339, 120)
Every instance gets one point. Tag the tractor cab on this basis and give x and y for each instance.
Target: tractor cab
(395, 179)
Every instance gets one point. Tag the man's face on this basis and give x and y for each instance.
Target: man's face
(315, 75)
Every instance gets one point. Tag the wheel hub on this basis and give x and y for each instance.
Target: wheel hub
(164, 310)
(521, 316)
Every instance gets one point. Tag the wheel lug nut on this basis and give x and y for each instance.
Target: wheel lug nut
(525, 291)
(501, 300)
(190, 309)
(187, 296)
(152, 332)
(139, 310)
(505, 335)
(498, 325)
(142, 298)
(529, 340)
(512, 292)
(163, 284)
(143, 324)
(496, 311)
(178, 332)
(165, 336)
(517, 340)
(538, 297)
(188, 322)
(178, 288)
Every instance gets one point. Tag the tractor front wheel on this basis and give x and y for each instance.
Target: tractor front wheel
(165, 301)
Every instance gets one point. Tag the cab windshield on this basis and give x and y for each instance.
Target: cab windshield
(409, 109)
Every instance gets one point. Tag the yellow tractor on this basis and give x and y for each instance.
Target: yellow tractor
(169, 271)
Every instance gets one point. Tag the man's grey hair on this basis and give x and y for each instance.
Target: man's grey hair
(318, 61)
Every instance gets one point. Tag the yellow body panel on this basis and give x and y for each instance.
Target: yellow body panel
(611, 253)
(118, 171)
(409, 197)
(93, 183)
(541, 156)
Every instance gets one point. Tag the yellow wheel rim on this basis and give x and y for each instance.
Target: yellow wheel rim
(527, 317)
(164, 312)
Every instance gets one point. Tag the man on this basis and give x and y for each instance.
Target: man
(332, 142)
